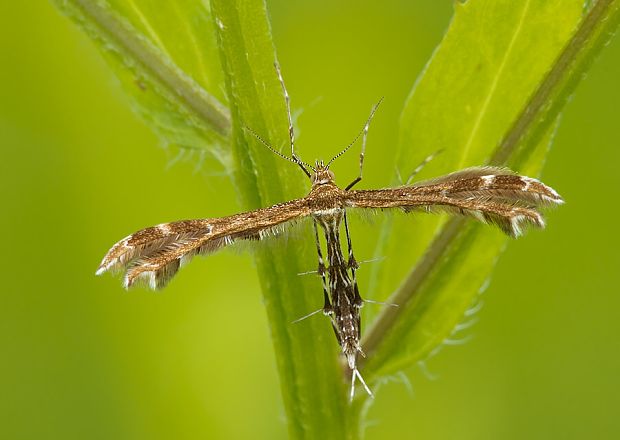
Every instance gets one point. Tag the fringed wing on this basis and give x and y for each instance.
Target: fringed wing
(488, 194)
(155, 254)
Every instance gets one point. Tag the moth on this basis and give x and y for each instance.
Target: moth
(487, 194)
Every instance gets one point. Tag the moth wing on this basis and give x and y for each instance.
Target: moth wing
(155, 254)
(487, 194)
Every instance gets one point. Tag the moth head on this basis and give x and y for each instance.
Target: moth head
(322, 174)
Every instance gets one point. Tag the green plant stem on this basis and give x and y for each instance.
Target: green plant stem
(310, 379)
(193, 97)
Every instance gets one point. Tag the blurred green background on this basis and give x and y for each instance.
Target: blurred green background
(81, 358)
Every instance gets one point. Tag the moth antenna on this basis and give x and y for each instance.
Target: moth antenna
(267, 144)
(294, 159)
(364, 130)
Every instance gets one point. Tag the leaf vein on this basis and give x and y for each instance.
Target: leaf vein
(485, 105)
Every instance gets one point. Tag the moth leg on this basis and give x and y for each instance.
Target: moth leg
(365, 134)
(327, 307)
(291, 133)
(352, 264)
(422, 164)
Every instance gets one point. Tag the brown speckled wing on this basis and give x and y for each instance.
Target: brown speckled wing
(490, 195)
(155, 254)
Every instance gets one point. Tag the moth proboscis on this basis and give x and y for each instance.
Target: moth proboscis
(487, 194)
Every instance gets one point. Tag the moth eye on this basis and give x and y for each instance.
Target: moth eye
(331, 175)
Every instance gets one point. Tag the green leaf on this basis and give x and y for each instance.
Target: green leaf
(165, 55)
(306, 354)
(491, 93)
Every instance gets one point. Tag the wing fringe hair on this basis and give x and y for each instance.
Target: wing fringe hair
(154, 255)
(491, 195)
